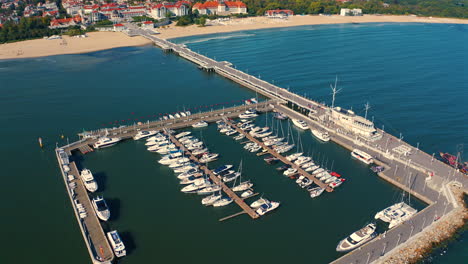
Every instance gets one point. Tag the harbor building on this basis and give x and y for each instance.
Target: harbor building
(350, 12)
(179, 8)
(349, 121)
(220, 7)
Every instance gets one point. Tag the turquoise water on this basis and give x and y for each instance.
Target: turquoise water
(413, 76)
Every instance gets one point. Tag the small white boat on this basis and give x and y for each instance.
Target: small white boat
(259, 203)
(191, 179)
(242, 186)
(209, 200)
(396, 214)
(177, 115)
(221, 169)
(222, 202)
(117, 244)
(284, 148)
(185, 168)
(181, 161)
(188, 173)
(209, 157)
(154, 142)
(197, 185)
(315, 192)
(302, 160)
(231, 132)
(209, 189)
(321, 135)
(171, 117)
(105, 142)
(247, 193)
(231, 176)
(290, 172)
(200, 124)
(144, 134)
(362, 156)
(183, 134)
(317, 171)
(199, 151)
(300, 124)
(307, 165)
(248, 114)
(239, 137)
(357, 238)
(335, 183)
(312, 168)
(267, 207)
(101, 209)
(294, 156)
(170, 158)
(88, 180)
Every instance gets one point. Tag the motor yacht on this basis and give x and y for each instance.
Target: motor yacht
(209, 157)
(101, 209)
(300, 124)
(357, 238)
(88, 180)
(188, 173)
(294, 156)
(209, 200)
(247, 193)
(302, 160)
(209, 189)
(117, 244)
(144, 134)
(221, 169)
(315, 192)
(242, 186)
(105, 142)
(259, 203)
(231, 176)
(267, 207)
(321, 135)
(185, 168)
(290, 172)
(197, 185)
(200, 124)
(183, 134)
(199, 151)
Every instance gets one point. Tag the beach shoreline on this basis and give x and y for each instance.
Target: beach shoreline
(97, 41)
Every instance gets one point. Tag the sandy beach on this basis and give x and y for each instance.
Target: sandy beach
(107, 40)
(69, 45)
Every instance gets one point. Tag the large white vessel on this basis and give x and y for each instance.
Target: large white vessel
(88, 180)
(300, 124)
(267, 207)
(105, 142)
(396, 214)
(357, 238)
(348, 120)
(117, 244)
(144, 134)
(248, 114)
(101, 209)
(322, 135)
(200, 124)
(362, 156)
(222, 202)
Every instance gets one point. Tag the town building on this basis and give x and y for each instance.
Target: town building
(65, 22)
(179, 8)
(351, 12)
(279, 13)
(220, 7)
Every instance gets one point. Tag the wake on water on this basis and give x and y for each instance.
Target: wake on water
(216, 38)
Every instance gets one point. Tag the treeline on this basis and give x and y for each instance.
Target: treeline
(27, 28)
(442, 8)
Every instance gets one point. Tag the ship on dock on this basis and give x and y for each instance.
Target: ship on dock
(396, 214)
(357, 238)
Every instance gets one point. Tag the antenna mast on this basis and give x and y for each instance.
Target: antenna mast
(367, 109)
(334, 91)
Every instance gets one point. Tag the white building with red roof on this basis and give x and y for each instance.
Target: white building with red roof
(179, 8)
(220, 7)
(279, 13)
(65, 22)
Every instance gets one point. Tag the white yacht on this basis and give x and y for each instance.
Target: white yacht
(362, 156)
(259, 203)
(396, 214)
(302, 160)
(209, 200)
(188, 173)
(222, 202)
(247, 193)
(200, 124)
(322, 135)
(197, 185)
(185, 168)
(209, 189)
(105, 142)
(290, 172)
(248, 114)
(88, 180)
(357, 238)
(294, 156)
(300, 124)
(117, 244)
(155, 143)
(101, 209)
(242, 186)
(181, 161)
(183, 134)
(312, 168)
(267, 207)
(170, 158)
(144, 134)
(221, 169)
(315, 192)
(208, 157)
(199, 151)
(231, 176)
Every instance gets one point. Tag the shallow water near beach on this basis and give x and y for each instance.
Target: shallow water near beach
(411, 74)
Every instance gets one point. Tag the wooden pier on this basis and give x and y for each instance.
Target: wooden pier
(85, 148)
(281, 157)
(98, 247)
(217, 180)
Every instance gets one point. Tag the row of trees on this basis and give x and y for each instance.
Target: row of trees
(443, 8)
(27, 28)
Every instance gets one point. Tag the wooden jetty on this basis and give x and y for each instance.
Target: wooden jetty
(96, 242)
(85, 148)
(217, 180)
(281, 157)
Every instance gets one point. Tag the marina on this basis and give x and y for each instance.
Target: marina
(427, 176)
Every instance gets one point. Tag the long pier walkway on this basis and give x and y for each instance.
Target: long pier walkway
(239, 201)
(280, 157)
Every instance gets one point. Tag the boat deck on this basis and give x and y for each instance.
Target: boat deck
(229, 192)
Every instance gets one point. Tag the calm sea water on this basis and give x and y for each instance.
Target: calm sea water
(413, 75)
